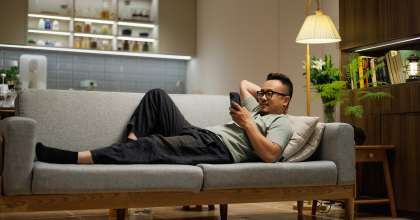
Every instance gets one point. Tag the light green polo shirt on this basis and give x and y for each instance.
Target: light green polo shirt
(277, 128)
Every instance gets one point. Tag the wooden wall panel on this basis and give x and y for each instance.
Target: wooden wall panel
(372, 21)
(403, 99)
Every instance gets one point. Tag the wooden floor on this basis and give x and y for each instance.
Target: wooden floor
(251, 211)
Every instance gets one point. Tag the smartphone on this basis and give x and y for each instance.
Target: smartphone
(234, 96)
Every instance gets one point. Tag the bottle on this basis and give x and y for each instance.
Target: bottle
(41, 24)
(136, 47)
(48, 24)
(3, 91)
(145, 46)
(104, 29)
(85, 43)
(105, 9)
(78, 27)
(76, 42)
(11, 95)
(56, 25)
(93, 44)
(126, 46)
(87, 27)
(105, 45)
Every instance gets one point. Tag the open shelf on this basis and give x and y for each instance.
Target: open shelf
(103, 36)
(49, 16)
(95, 20)
(143, 39)
(47, 31)
(136, 24)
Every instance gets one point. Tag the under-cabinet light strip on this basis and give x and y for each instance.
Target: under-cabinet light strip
(94, 21)
(49, 16)
(136, 39)
(136, 24)
(93, 35)
(133, 54)
(49, 32)
(417, 38)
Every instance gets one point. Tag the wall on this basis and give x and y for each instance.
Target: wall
(111, 73)
(247, 39)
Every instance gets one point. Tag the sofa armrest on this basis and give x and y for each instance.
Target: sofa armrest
(337, 145)
(19, 134)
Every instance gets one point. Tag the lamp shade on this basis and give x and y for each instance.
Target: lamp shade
(318, 29)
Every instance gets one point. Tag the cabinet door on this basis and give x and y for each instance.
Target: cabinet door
(177, 27)
(14, 19)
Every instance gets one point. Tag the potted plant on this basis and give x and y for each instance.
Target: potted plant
(11, 75)
(337, 92)
(319, 76)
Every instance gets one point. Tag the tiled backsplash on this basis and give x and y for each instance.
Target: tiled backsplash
(111, 73)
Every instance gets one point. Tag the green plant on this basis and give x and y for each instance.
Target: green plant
(11, 74)
(337, 91)
(319, 69)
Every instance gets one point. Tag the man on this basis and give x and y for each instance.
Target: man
(159, 134)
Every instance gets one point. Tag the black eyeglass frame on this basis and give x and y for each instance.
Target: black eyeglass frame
(265, 93)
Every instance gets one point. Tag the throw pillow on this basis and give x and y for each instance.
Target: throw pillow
(310, 147)
(303, 127)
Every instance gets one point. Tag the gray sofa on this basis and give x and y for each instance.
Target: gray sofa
(81, 120)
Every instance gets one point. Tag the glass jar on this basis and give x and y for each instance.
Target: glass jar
(93, 44)
(76, 42)
(126, 45)
(78, 27)
(11, 95)
(87, 27)
(136, 47)
(3, 97)
(105, 29)
(106, 9)
(85, 43)
(105, 45)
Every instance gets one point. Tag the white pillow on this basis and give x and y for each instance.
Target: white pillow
(303, 127)
(310, 147)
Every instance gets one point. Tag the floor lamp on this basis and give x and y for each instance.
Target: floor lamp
(317, 29)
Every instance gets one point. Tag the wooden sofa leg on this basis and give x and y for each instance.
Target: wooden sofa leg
(211, 207)
(300, 207)
(186, 208)
(120, 214)
(314, 204)
(198, 208)
(223, 211)
(349, 213)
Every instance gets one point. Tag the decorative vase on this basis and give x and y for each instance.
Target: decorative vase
(329, 111)
(359, 136)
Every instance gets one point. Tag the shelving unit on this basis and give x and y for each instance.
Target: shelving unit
(367, 28)
(67, 34)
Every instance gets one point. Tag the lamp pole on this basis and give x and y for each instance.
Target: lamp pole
(308, 67)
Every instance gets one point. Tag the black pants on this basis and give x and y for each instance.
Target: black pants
(164, 136)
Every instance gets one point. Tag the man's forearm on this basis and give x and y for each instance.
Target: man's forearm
(248, 89)
(265, 149)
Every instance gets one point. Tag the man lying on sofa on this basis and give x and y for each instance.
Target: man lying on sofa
(159, 134)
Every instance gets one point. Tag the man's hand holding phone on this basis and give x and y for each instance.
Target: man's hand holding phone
(242, 117)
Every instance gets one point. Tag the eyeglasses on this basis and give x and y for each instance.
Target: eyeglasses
(268, 94)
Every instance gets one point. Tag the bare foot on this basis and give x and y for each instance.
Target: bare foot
(132, 136)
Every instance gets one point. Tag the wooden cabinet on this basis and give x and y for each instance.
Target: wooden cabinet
(13, 17)
(177, 27)
(384, 24)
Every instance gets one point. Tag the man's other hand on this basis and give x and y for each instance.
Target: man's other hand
(242, 117)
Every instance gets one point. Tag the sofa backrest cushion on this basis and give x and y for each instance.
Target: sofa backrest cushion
(303, 127)
(85, 120)
(311, 145)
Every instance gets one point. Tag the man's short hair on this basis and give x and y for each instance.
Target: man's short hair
(284, 80)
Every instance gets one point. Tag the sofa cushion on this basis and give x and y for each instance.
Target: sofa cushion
(303, 127)
(268, 175)
(310, 147)
(86, 120)
(94, 178)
